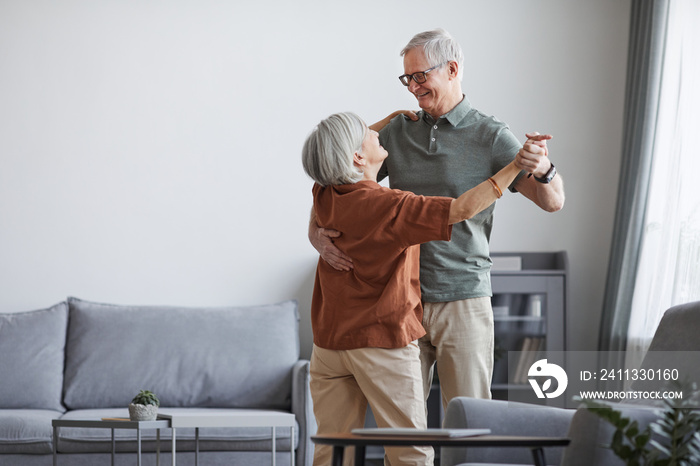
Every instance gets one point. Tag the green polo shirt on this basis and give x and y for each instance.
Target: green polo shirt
(446, 157)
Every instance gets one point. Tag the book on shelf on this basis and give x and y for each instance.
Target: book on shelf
(530, 351)
(531, 356)
(524, 347)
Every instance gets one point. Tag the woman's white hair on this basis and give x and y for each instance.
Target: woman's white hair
(328, 152)
(439, 47)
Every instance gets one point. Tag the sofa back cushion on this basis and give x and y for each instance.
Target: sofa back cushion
(234, 357)
(31, 358)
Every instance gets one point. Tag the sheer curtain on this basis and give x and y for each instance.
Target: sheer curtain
(668, 271)
(648, 24)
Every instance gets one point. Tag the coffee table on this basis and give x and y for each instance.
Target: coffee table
(230, 418)
(112, 424)
(360, 442)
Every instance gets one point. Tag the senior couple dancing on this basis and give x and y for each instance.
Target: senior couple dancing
(403, 280)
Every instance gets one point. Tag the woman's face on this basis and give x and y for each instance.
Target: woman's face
(371, 149)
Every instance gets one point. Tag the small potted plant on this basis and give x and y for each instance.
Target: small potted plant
(144, 406)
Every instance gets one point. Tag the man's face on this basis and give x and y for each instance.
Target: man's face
(435, 94)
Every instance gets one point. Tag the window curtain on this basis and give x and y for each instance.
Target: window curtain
(668, 272)
(644, 63)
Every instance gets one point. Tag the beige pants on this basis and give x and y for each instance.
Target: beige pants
(343, 382)
(460, 339)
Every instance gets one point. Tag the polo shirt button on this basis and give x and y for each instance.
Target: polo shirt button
(433, 139)
(435, 127)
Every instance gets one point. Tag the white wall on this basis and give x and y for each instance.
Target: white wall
(149, 150)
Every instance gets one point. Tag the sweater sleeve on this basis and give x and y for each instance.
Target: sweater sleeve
(419, 219)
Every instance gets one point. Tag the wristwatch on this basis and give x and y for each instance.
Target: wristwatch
(549, 176)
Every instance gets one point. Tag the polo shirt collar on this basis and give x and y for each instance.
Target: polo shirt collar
(456, 115)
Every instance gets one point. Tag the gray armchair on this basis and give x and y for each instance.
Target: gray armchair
(678, 331)
(503, 418)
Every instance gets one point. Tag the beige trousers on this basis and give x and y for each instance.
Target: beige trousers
(343, 382)
(460, 339)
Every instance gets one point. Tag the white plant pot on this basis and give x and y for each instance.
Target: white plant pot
(143, 412)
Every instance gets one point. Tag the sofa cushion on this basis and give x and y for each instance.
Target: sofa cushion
(31, 358)
(234, 357)
(89, 440)
(26, 431)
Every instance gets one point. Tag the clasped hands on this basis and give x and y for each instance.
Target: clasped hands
(532, 157)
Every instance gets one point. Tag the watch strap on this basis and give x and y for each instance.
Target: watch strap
(549, 176)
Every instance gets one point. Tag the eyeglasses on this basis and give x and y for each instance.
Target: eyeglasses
(419, 77)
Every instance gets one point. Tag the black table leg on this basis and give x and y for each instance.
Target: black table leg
(55, 449)
(338, 455)
(538, 457)
(359, 455)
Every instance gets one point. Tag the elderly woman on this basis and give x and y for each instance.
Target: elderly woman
(366, 321)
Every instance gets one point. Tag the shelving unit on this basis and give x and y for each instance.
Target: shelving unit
(529, 303)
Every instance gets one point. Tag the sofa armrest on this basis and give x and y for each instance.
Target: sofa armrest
(504, 418)
(302, 408)
(590, 435)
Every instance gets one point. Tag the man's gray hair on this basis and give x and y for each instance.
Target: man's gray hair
(328, 152)
(439, 47)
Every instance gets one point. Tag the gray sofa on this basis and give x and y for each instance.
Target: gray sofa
(677, 332)
(86, 360)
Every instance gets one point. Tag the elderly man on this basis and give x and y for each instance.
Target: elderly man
(447, 148)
